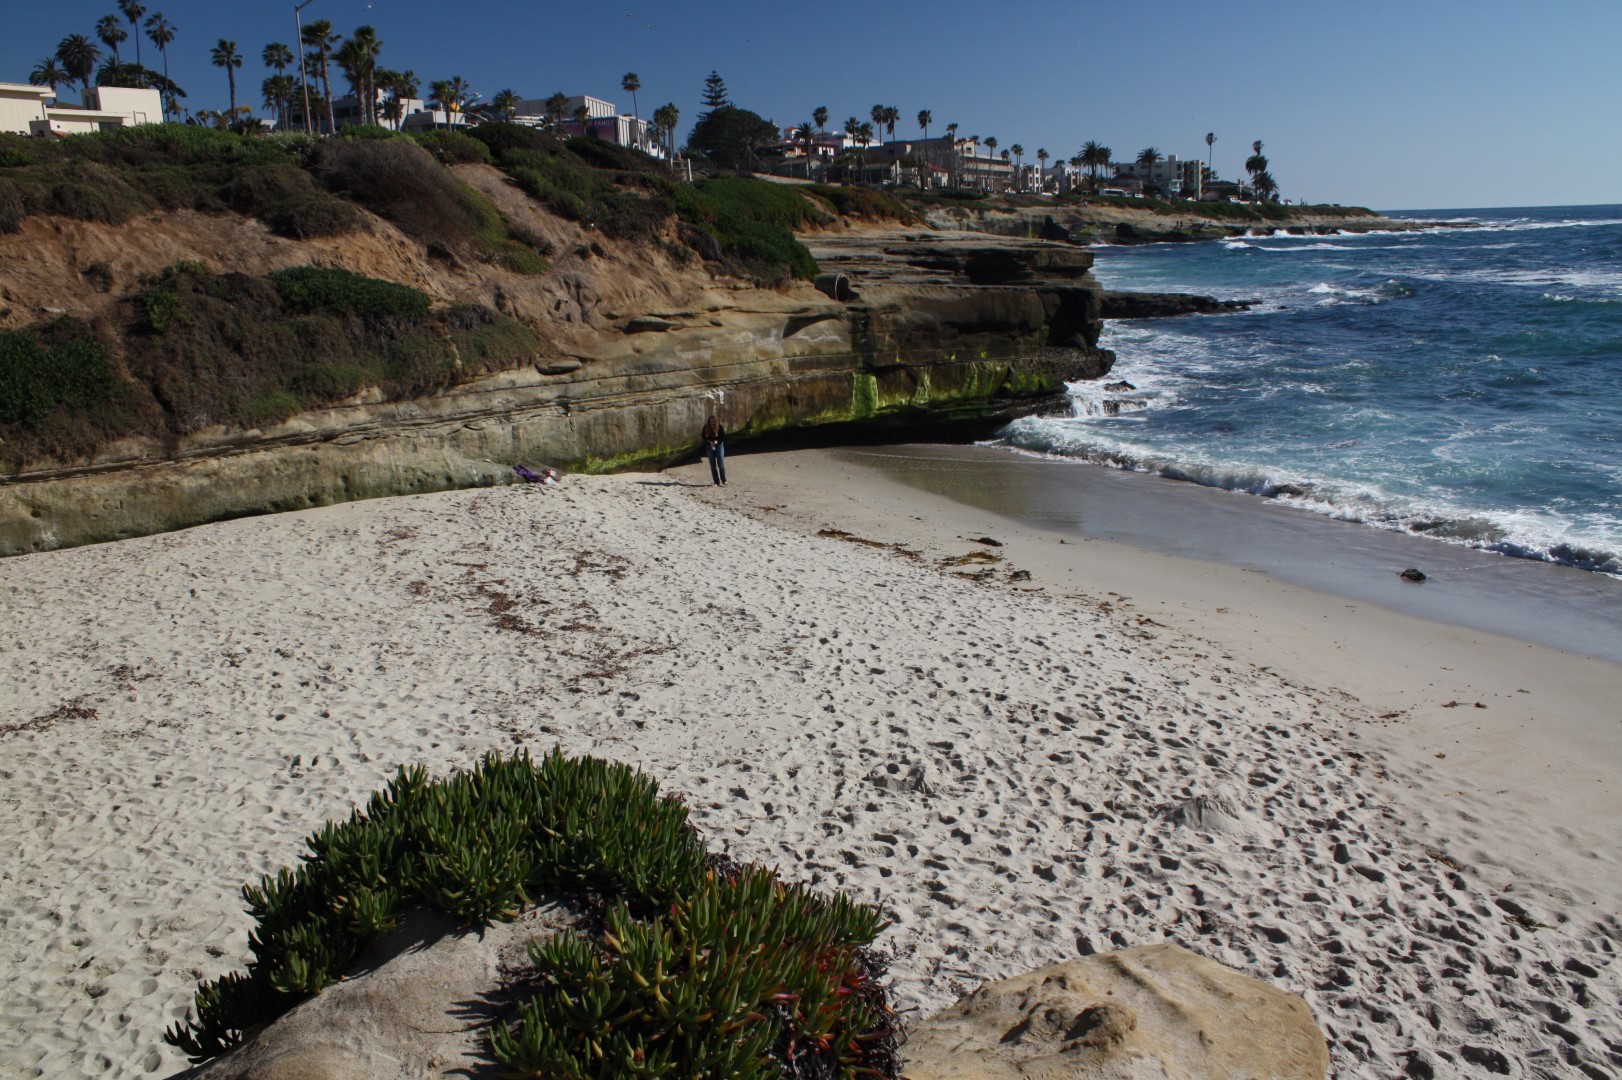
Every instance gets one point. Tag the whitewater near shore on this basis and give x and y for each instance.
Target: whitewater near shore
(1022, 749)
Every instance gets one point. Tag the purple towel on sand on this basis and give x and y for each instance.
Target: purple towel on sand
(526, 475)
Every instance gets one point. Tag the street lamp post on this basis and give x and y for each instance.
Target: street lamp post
(303, 61)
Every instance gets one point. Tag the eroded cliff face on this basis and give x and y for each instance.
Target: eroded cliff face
(941, 335)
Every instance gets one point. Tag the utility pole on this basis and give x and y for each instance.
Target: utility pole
(303, 61)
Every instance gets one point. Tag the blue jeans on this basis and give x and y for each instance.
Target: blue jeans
(718, 462)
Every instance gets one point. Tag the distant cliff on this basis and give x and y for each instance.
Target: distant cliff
(530, 332)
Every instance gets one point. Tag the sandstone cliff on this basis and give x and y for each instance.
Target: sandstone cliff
(944, 334)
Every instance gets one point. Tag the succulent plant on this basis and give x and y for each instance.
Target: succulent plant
(696, 972)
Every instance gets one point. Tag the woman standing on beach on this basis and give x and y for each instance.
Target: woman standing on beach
(714, 437)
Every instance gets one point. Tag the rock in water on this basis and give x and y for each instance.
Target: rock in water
(1410, 574)
(1153, 1012)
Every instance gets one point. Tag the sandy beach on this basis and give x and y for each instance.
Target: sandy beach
(1024, 750)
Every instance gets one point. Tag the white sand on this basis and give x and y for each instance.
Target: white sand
(1016, 770)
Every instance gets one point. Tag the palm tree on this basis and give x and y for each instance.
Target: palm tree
(555, 106)
(807, 135)
(225, 55)
(892, 117)
(1019, 166)
(319, 39)
(112, 34)
(161, 32)
(451, 94)
(631, 84)
(1255, 163)
(278, 91)
(951, 132)
(1042, 167)
(505, 104)
(48, 73)
(1265, 186)
(399, 85)
(878, 113)
(1148, 157)
(1210, 144)
(924, 119)
(1095, 156)
(357, 59)
(133, 11)
(366, 47)
(278, 56)
(667, 116)
(819, 117)
(78, 55)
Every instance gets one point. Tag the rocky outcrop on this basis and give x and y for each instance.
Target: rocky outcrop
(420, 1005)
(941, 338)
(1114, 223)
(1155, 1012)
(1130, 305)
(423, 999)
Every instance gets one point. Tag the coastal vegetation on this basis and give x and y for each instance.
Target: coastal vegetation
(193, 349)
(690, 965)
(189, 348)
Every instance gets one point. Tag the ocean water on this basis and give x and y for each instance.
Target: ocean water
(1461, 384)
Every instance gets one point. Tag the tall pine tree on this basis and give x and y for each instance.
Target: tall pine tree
(715, 92)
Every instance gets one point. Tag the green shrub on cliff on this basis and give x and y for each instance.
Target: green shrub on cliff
(192, 349)
(863, 203)
(36, 380)
(697, 971)
(311, 289)
(400, 181)
(62, 395)
(454, 148)
(752, 221)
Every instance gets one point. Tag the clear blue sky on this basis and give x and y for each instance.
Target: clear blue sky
(1394, 105)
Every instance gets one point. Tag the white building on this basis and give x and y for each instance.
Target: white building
(21, 105)
(603, 120)
(23, 110)
(1170, 174)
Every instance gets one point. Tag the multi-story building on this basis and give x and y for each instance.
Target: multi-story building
(600, 119)
(1172, 175)
(24, 109)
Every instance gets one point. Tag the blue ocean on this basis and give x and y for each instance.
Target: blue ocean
(1462, 383)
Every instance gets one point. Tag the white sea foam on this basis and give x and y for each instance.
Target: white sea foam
(1591, 543)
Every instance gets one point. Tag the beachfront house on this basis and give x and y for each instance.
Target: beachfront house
(30, 110)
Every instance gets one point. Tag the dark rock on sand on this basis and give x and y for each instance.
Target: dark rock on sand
(1412, 575)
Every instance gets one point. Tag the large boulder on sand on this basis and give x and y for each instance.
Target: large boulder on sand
(420, 1005)
(1154, 1012)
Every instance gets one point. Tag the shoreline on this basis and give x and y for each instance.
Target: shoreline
(1548, 732)
(1121, 749)
(1533, 600)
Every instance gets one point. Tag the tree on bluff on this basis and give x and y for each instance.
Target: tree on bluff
(732, 138)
